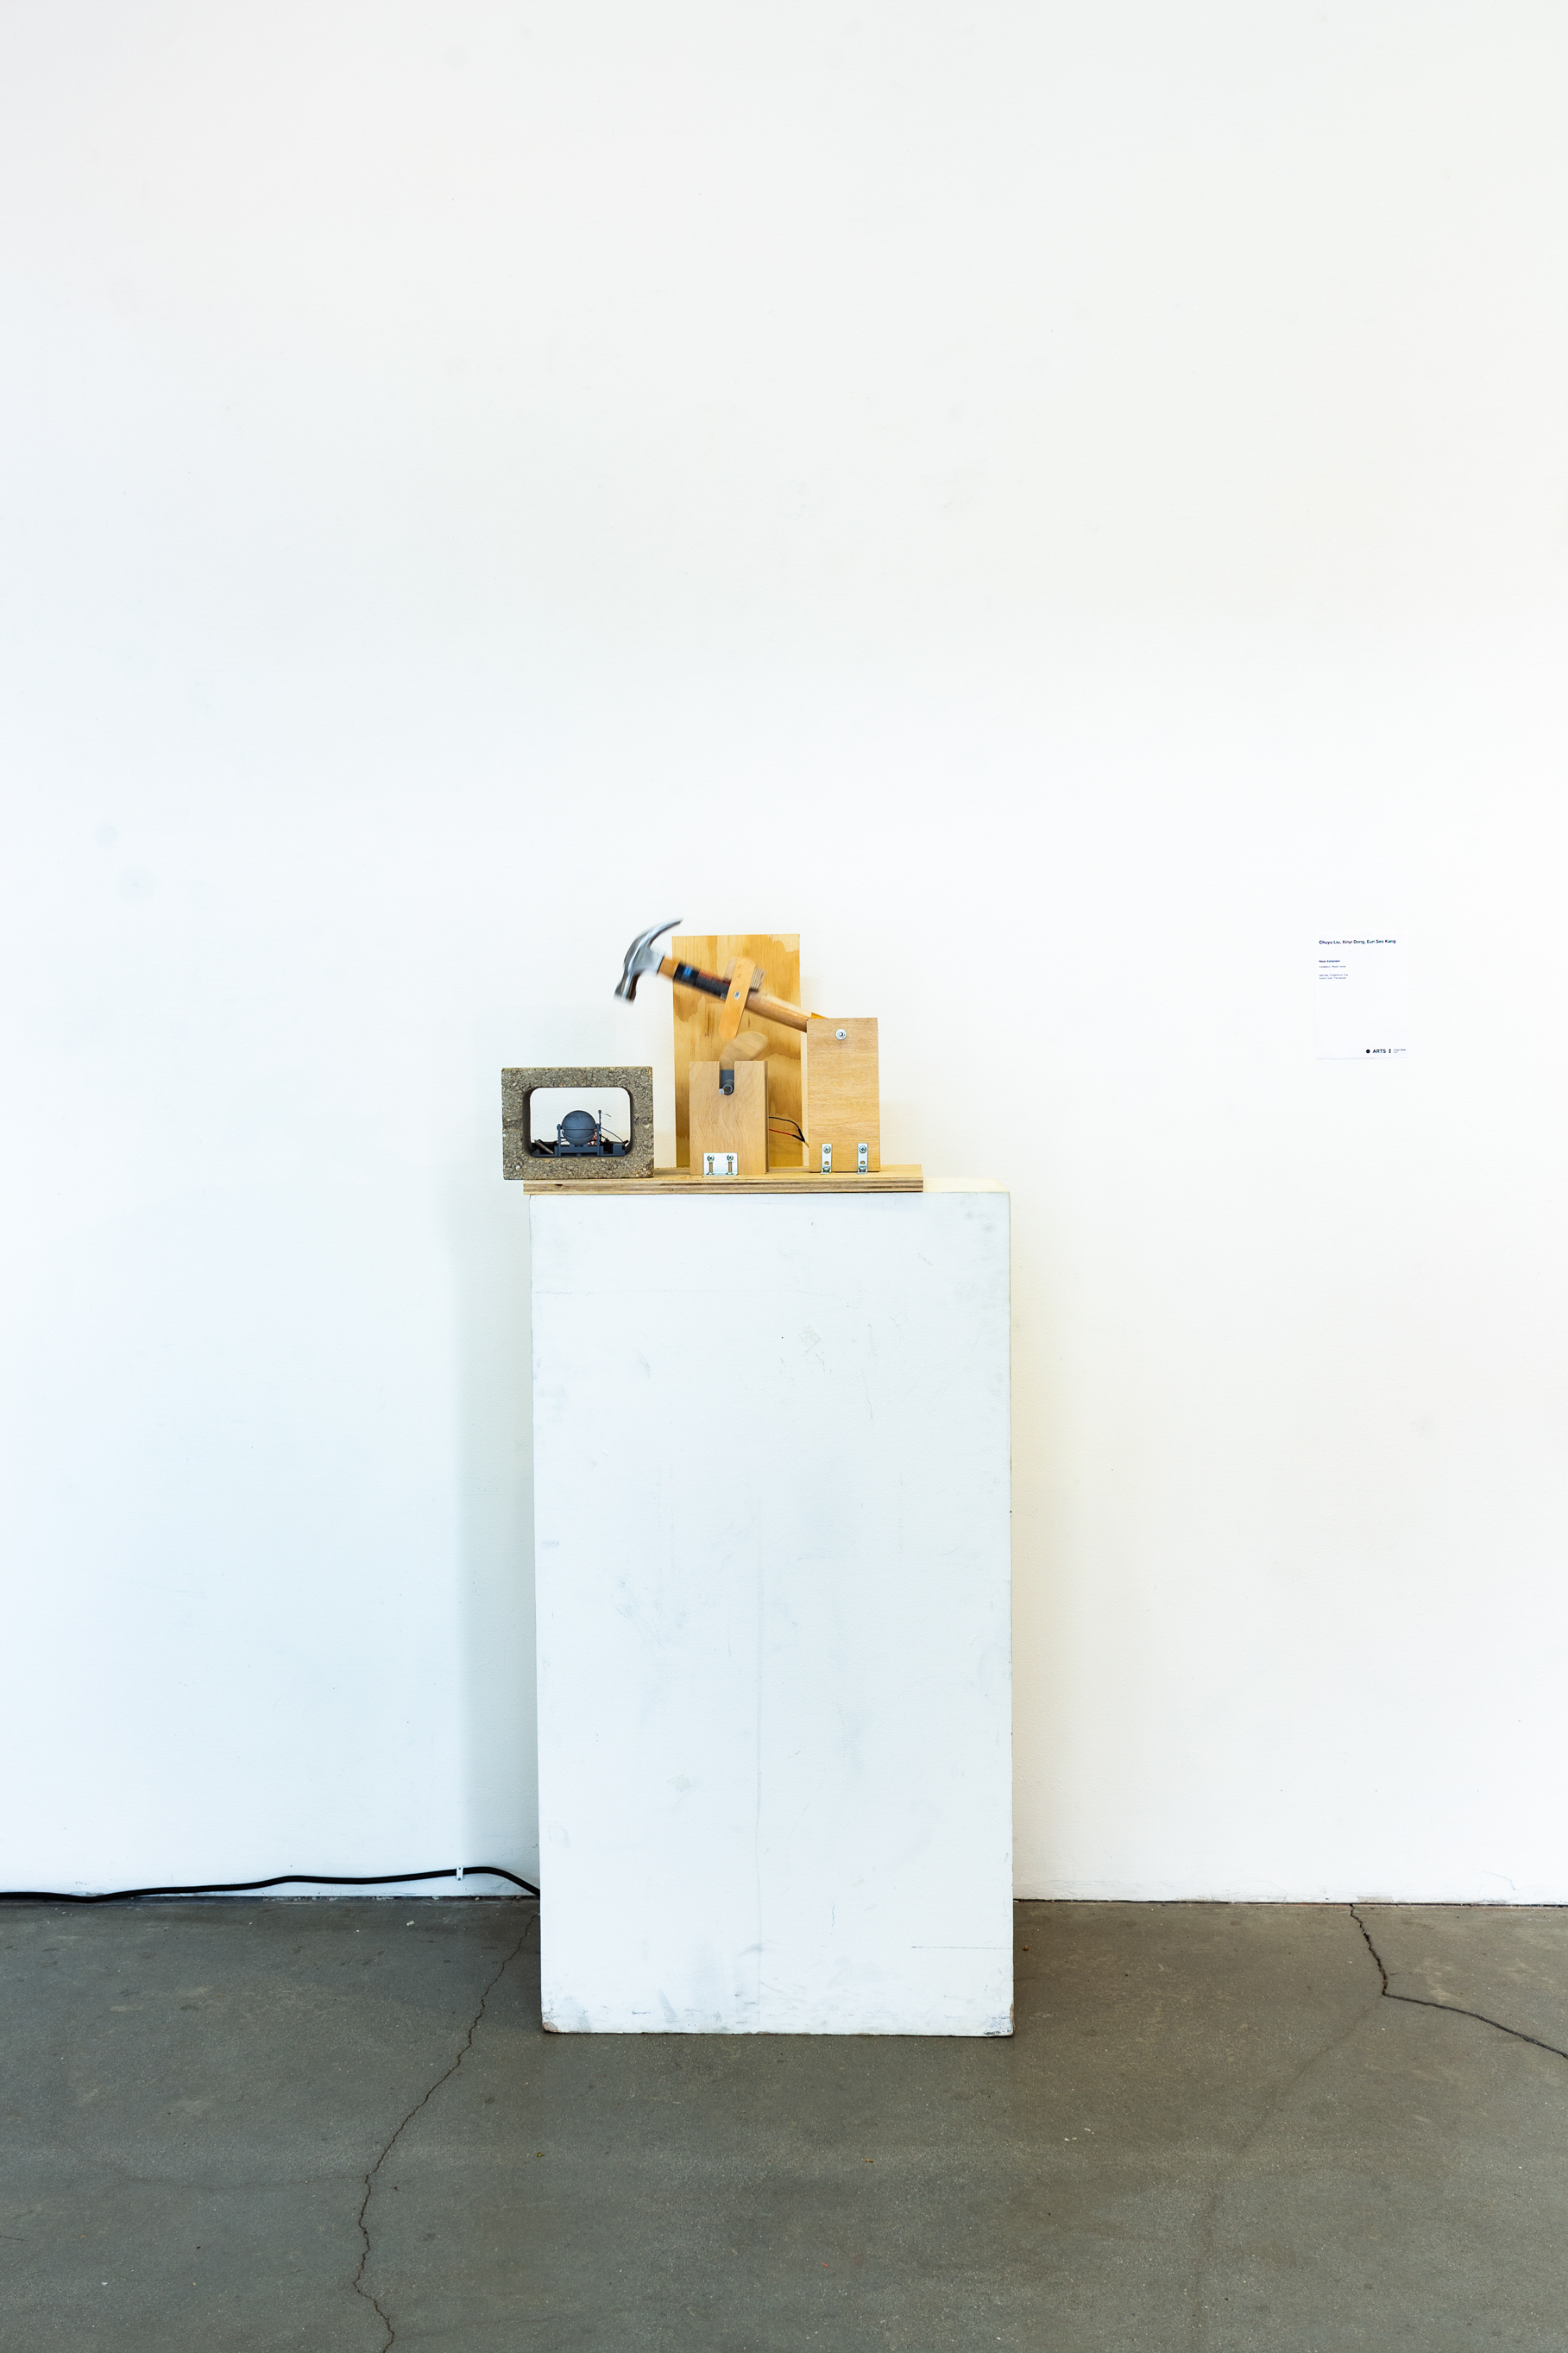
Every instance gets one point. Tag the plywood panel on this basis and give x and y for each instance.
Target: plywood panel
(776, 955)
(899, 1178)
(840, 1087)
(734, 1122)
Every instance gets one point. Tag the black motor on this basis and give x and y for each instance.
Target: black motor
(580, 1138)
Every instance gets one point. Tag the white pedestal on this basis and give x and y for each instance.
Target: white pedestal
(772, 1510)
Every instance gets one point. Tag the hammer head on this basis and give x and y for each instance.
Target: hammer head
(642, 956)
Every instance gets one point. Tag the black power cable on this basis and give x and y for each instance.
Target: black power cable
(249, 1886)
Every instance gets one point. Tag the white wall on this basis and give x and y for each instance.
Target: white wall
(1052, 502)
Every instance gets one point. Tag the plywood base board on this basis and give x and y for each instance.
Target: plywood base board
(798, 1181)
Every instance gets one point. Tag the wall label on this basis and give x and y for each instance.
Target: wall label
(1363, 996)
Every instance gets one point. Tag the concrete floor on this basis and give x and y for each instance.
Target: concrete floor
(322, 2124)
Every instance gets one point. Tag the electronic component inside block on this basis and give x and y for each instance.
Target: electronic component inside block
(581, 1135)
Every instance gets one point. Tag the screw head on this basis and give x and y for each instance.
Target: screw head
(841, 1033)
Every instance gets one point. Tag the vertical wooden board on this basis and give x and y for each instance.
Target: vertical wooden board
(776, 955)
(734, 1122)
(840, 1091)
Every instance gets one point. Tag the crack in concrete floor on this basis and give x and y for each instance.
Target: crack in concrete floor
(1452, 2009)
(1233, 2167)
(1210, 2135)
(357, 2283)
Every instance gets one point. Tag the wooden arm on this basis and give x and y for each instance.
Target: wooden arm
(771, 1009)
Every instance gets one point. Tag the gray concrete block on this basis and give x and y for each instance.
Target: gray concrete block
(516, 1086)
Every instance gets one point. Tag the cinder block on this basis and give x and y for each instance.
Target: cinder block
(516, 1086)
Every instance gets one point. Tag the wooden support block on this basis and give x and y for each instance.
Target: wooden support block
(732, 1013)
(839, 1092)
(697, 1039)
(734, 1122)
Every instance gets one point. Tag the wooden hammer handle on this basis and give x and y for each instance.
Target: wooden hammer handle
(771, 1009)
(774, 1008)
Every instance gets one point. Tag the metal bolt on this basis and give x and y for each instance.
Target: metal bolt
(841, 1033)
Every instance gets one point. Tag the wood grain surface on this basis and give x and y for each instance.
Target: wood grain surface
(797, 1181)
(776, 955)
(734, 1122)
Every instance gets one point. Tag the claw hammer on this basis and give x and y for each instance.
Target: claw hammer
(739, 991)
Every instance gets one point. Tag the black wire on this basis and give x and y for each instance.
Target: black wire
(782, 1122)
(249, 1886)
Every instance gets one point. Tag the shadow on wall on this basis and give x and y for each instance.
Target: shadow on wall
(487, 1223)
